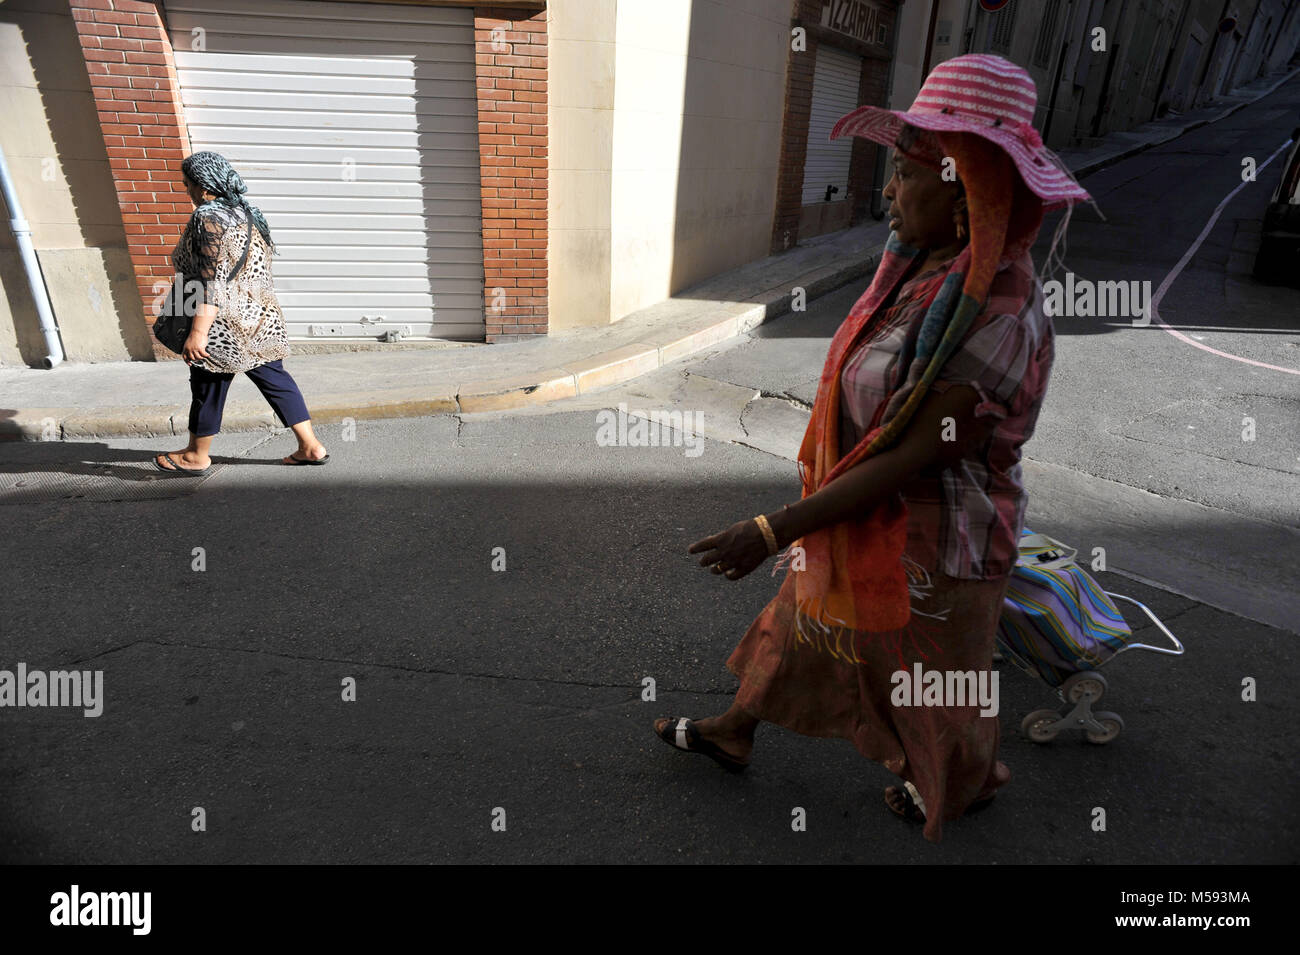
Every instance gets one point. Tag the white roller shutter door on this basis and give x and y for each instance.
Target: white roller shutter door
(355, 127)
(835, 92)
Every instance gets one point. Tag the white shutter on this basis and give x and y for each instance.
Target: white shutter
(355, 127)
(835, 92)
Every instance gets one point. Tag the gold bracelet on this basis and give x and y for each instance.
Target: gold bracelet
(768, 536)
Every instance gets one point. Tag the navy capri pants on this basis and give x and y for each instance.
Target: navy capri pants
(208, 393)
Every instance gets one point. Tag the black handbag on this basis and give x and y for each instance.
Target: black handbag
(172, 326)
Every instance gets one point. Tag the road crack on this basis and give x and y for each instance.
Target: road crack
(422, 671)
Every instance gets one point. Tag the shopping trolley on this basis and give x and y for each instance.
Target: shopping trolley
(1061, 627)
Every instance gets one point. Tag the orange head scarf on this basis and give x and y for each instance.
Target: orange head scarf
(853, 574)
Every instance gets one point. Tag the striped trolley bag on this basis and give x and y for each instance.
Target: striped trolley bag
(1060, 626)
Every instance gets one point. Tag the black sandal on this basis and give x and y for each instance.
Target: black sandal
(295, 461)
(910, 811)
(680, 733)
(912, 804)
(176, 467)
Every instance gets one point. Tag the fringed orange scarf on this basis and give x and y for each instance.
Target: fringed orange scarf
(853, 575)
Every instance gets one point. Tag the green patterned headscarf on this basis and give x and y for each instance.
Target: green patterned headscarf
(213, 172)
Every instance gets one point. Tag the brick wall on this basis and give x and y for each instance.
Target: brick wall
(133, 79)
(510, 68)
(794, 132)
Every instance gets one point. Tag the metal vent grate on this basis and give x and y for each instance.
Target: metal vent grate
(75, 479)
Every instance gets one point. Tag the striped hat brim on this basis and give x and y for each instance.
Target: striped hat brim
(1044, 177)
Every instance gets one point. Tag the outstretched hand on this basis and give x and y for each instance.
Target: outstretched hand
(735, 552)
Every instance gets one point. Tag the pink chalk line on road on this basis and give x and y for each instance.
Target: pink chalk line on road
(1187, 257)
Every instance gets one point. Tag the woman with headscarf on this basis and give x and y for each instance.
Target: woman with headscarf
(900, 549)
(238, 326)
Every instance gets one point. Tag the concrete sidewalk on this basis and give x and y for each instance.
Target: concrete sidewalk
(75, 401)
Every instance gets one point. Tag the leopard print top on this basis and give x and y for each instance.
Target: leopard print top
(249, 328)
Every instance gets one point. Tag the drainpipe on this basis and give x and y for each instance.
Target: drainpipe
(878, 175)
(929, 38)
(23, 236)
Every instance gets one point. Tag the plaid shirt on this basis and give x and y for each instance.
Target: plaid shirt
(964, 521)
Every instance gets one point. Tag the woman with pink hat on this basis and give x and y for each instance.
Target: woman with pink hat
(899, 551)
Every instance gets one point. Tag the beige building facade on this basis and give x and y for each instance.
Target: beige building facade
(61, 173)
(672, 140)
(682, 138)
(627, 149)
(666, 123)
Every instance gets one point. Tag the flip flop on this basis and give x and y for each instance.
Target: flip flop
(176, 468)
(680, 733)
(294, 460)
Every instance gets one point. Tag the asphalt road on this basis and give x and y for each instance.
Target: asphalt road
(521, 689)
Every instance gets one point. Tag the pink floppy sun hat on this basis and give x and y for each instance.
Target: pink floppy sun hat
(985, 95)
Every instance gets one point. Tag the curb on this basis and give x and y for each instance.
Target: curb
(582, 376)
(600, 370)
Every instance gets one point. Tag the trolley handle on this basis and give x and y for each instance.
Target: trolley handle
(1156, 620)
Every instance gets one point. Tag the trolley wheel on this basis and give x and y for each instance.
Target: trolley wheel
(1088, 683)
(1114, 726)
(1037, 726)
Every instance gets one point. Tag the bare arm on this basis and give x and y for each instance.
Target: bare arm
(859, 490)
(210, 234)
(855, 493)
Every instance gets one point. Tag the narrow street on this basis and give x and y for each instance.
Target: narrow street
(521, 687)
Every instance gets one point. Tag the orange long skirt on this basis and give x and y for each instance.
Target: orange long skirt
(841, 687)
